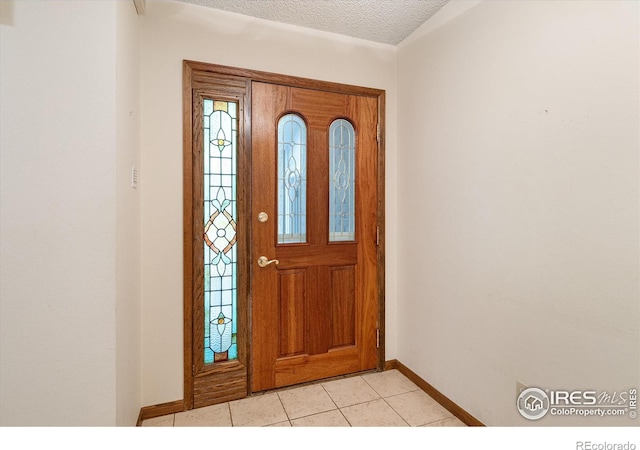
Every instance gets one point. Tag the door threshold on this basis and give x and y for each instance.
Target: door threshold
(314, 382)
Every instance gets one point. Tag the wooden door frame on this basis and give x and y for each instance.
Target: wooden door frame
(198, 75)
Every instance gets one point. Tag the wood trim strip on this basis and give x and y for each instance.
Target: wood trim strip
(187, 192)
(149, 412)
(381, 228)
(244, 265)
(438, 396)
(286, 80)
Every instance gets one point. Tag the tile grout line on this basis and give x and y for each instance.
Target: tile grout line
(230, 413)
(395, 395)
(369, 384)
(421, 425)
(345, 417)
(284, 409)
(335, 404)
(397, 412)
(436, 421)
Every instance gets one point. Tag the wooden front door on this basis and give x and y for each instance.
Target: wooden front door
(314, 297)
(318, 312)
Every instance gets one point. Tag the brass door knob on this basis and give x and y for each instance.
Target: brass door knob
(263, 261)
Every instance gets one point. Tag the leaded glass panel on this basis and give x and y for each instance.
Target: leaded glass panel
(342, 205)
(292, 180)
(220, 124)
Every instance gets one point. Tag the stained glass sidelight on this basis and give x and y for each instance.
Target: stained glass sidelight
(292, 180)
(342, 205)
(220, 249)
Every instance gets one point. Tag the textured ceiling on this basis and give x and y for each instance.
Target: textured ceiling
(384, 21)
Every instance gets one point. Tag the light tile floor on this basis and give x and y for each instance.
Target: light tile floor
(374, 400)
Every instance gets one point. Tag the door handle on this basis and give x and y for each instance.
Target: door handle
(264, 262)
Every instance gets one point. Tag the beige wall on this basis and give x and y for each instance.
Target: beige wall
(58, 268)
(128, 320)
(170, 33)
(69, 259)
(518, 188)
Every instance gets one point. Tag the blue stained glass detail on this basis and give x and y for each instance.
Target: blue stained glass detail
(220, 219)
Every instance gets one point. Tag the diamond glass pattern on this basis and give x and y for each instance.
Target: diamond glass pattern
(220, 250)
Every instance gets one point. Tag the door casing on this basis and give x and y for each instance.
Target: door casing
(232, 379)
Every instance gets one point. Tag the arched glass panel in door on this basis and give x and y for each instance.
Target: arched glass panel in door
(292, 180)
(342, 192)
